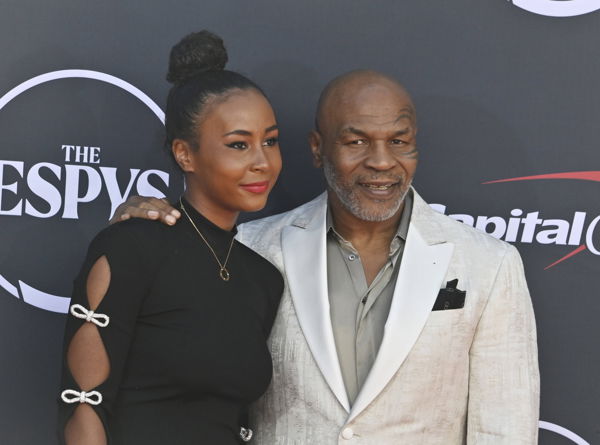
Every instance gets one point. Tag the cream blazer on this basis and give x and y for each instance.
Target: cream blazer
(451, 377)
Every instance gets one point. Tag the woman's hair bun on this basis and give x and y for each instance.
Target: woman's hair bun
(194, 54)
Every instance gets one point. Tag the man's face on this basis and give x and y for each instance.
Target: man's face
(366, 145)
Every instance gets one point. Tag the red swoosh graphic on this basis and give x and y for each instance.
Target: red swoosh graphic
(583, 176)
(569, 255)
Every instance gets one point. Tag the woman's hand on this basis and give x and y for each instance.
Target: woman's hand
(147, 208)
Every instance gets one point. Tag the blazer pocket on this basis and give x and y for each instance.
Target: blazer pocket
(445, 318)
(489, 438)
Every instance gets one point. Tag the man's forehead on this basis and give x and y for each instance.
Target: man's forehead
(367, 97)
(400, 117)
(372, 101)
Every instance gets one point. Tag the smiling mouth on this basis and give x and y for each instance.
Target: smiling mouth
(378, 187)
(256, 187)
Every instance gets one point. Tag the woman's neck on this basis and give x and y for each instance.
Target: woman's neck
(223, 218)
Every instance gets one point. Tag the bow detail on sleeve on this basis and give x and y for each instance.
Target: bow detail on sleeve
(72, 396)
(79, 311)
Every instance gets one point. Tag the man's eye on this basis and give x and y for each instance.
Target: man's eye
(358, 142)
(239, 145)
(398, 142)
(271, 142)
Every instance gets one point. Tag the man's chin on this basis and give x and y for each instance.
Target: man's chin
(376, 212)
(377, 209)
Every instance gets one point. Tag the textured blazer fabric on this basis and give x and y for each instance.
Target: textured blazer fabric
(465, 375)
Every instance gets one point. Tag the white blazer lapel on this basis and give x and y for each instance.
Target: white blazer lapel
(305, 261)
(420, 277)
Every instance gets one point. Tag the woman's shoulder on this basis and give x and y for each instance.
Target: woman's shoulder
(138, 235)
(271, 282)
(262, 267)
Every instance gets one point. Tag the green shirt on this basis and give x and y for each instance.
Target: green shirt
(358, 311)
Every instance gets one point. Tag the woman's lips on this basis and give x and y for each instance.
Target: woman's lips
(256, 187)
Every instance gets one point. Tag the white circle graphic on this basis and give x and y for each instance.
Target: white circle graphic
(554, 8)
(29, 294)
(83, 74)
(563, 432)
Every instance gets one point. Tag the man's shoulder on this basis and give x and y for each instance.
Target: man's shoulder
(463, 236)
(300, 215)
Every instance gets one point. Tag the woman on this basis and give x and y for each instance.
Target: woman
(167, 338)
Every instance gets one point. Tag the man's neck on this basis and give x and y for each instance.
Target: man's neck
(371, 239)
(363, 234)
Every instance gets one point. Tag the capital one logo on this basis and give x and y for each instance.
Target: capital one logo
(579, 232)
(558, 8)
(49, 178)
(534, 227)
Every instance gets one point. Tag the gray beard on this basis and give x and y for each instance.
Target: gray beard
(351, 202)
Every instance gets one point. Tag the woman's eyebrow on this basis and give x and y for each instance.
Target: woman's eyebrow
(248, 133)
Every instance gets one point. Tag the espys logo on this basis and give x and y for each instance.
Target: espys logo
(530, 227)
(48, 178)
(558, 8)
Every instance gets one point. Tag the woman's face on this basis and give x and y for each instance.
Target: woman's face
(236, 160)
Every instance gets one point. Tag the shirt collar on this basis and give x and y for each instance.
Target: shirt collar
(401, 232)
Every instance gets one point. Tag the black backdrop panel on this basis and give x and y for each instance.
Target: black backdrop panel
(501, 93)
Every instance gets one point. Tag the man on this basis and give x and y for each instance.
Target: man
(398, 325)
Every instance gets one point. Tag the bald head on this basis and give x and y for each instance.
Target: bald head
(356, 88)
(365, 140)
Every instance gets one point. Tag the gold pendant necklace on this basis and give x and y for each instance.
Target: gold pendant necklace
(223, 272)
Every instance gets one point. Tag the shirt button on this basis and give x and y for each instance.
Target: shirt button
(351, 257)
(347, 433)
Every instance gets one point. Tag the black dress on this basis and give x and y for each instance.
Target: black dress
(187, 350)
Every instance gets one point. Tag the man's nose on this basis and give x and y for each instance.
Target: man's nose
(380, 157)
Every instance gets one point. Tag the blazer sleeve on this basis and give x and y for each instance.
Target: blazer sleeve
(504, 377)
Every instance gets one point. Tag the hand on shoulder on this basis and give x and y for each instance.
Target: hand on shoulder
(146, 207)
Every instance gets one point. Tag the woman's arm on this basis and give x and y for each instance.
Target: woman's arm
(88, 363)
(104, 308)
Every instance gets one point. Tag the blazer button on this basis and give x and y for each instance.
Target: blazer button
(347, 433)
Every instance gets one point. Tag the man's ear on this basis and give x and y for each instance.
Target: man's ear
(182, 152)
(315, 142)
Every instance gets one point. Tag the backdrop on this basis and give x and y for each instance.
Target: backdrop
(508, 103)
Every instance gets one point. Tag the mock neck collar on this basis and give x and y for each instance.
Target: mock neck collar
(209, 229)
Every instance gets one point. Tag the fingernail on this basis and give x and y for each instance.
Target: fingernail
(170, 219)
(175, 213)
(152, 213)
(125, 216)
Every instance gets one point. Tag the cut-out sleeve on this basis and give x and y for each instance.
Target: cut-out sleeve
(101, 323)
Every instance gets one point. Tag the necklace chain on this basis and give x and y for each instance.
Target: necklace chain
(223, 272)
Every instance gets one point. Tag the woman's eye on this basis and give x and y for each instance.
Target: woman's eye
(271, 142)
(238, 145)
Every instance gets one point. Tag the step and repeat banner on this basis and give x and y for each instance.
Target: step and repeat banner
(508, 99)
